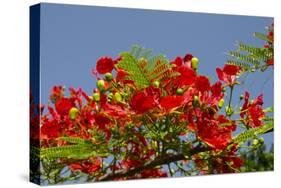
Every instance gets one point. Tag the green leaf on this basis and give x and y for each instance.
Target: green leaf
(143, 68)
(75, 140)
(136, 73)
(262, 37)
(252, 133)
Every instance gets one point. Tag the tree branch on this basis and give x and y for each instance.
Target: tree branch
(150, 164)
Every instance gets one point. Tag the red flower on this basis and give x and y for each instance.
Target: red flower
(215, 132)
(202, 83)
(146, 100)
(104, 65)
(56, 93)
(87, 166)
(186, 78)
(153, 173)
(102, 121)
(171, 102)
(178, 61)
(270, 62)
(253, 110)
(50, 130)
(63, 106)
(228, 73)
(227, 164)
(216, 90)
(121, 77)
(187, 57)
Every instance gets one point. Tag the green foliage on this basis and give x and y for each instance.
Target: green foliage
(251, 58)
(83, 149)
(143, 68)
(258, 159)
(252, 133)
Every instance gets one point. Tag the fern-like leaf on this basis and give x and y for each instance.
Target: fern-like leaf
(136, 73)
(75, 140)
(252, 133)
(262, 37)
(143, 68)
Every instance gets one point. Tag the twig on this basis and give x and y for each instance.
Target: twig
(151, 164)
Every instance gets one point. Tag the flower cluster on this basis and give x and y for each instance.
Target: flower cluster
(130, 126)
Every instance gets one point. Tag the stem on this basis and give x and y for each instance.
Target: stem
(151, 164)
(230, 99)
(170, 170)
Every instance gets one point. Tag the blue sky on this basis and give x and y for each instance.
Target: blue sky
(74, 37)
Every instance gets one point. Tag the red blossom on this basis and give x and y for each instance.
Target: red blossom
(270, 62)
(56, 93)
(187, 57)
(88, 167)
(153, 173)
(227, 164)
(63, 106)
(50, 130)
(171, 102)
(146, 100)
(215, 132)
(178, 61)
(187, 76)
(202, 83)
(104, 65)
(253, 111)
(228, 74)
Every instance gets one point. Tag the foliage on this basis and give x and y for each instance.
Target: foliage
(251, 58)
(258, 159)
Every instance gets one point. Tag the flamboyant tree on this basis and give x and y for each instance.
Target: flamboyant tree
(150, 117)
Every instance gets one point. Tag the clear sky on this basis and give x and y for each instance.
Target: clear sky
(74, 37)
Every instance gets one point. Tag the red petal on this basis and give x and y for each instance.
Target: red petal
(170, 102)
(231, 69)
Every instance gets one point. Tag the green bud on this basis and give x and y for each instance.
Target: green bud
(261, 140)
(255, 142)
(110, 95)
(228, 110)
(196, 101)
(96, 97)
(194, 63)
(108, 76)
(117, 97)
(156, 83)
(221, 103)
(179, 91)
(73, 113)
(100, 85)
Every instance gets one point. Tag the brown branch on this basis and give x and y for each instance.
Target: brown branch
(150, 164)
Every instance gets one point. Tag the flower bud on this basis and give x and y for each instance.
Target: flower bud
(96, 97)
(255, 142)
(110, 95)
(194, 63)
(117, 97)
(261, 140)
(221, 103)
(179, 91)
(73, 113)
(100, 85)
(108, 76)
(156, 83)
(228, 110)
(196, 101)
